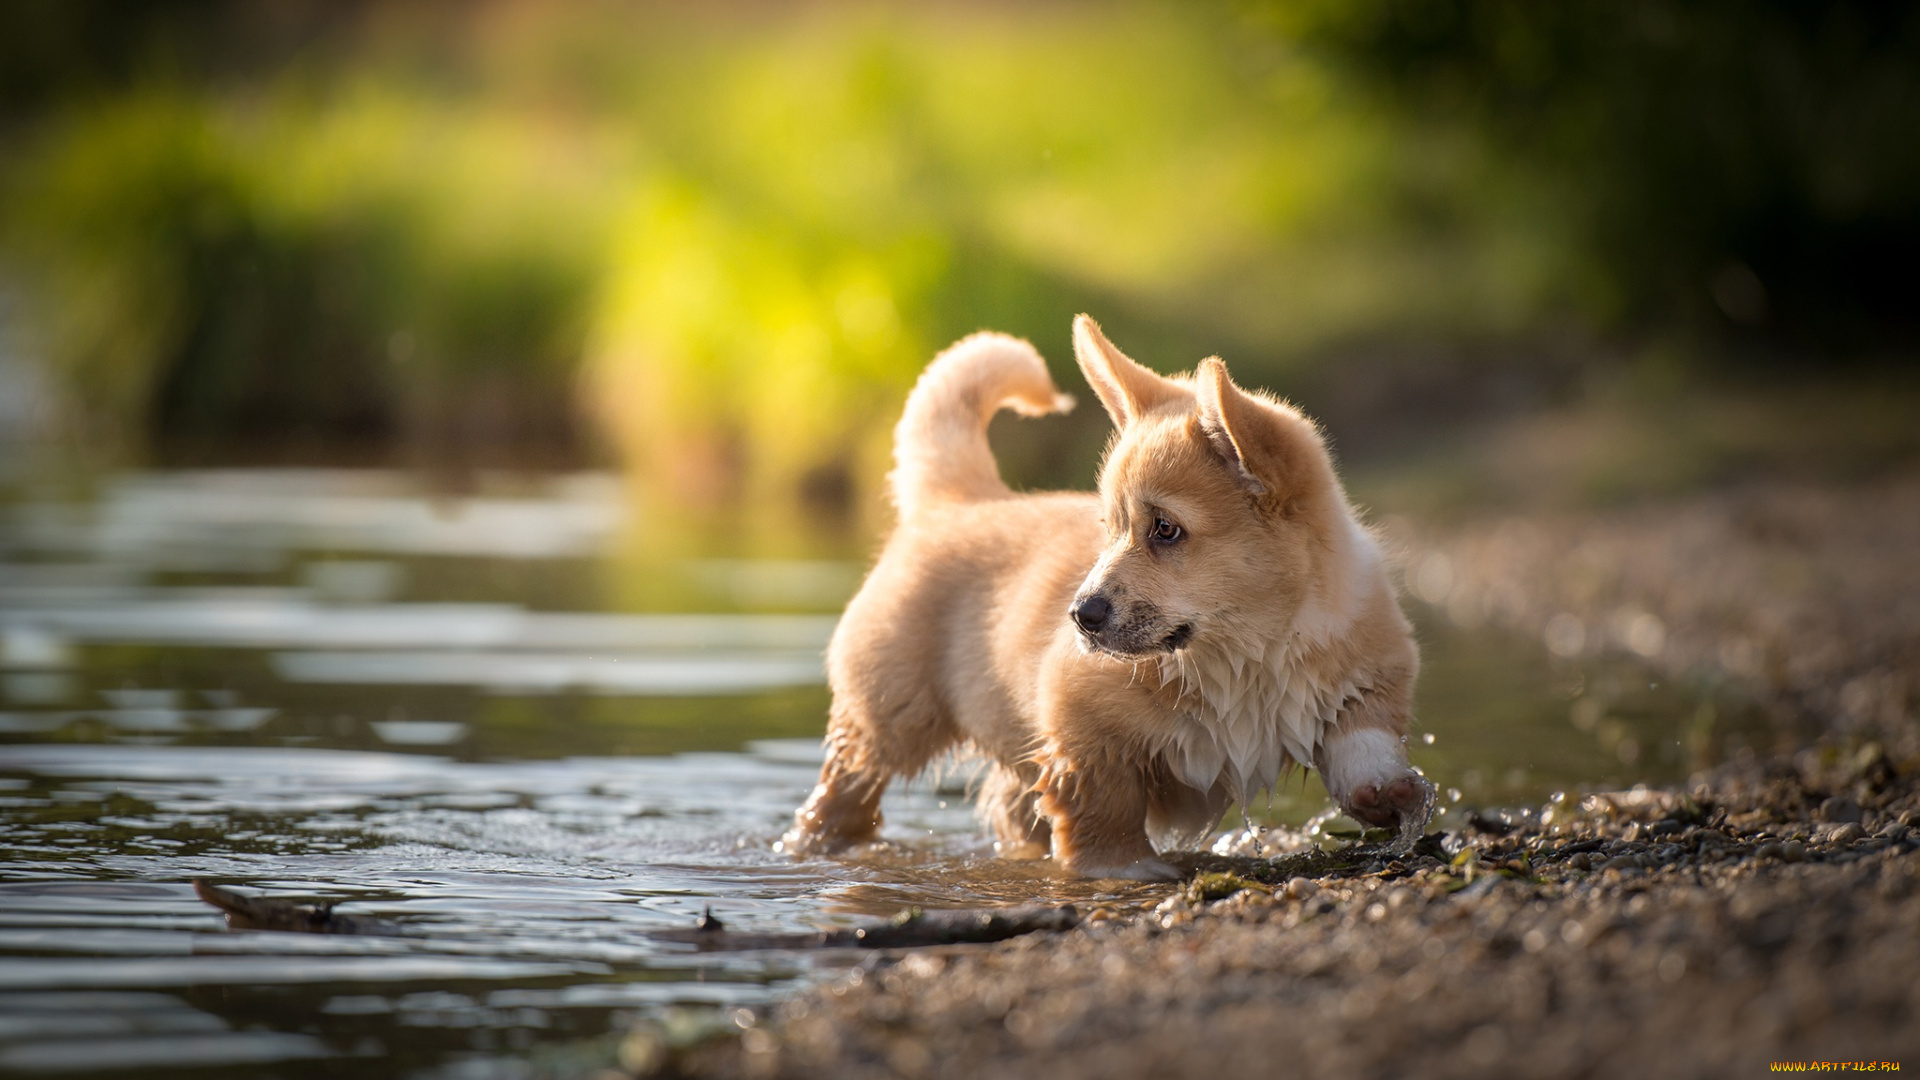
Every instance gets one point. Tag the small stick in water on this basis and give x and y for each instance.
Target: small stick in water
(267, 913)
(910, 929)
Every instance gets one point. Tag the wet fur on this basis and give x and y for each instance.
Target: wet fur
(1267, 636)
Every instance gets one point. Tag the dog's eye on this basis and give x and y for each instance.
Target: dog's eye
(1166, 532)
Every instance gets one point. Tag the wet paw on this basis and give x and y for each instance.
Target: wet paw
(804, 843)
(801, 844)
(1386, 805)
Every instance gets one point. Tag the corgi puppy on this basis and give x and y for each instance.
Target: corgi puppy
(1130, 661)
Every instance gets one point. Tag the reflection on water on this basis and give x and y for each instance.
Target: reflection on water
(338, 685)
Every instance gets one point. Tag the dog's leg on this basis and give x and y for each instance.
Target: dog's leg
(865, 751)
(843, 810)
(1009, 803)
(1097, 804)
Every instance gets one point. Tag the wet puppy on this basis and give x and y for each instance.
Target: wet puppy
(1130, 661)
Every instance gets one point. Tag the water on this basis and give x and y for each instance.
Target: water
(344, 686)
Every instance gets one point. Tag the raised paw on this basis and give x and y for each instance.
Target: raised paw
(1386, 805)
(1368, 775)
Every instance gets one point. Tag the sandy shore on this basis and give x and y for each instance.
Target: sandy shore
(1767, 911)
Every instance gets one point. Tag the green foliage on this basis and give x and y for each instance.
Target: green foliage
(1730, 162)
(262, 270)
(743, 233)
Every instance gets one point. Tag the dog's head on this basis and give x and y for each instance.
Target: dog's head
(1224, 518)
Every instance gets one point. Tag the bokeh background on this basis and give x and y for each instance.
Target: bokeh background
(436, 440)
(712, 244)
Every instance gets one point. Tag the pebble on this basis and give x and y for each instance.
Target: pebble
(1772, 849)
(1622, 863)
(1846, 834)
(1580, 861)
(1793, 851)
(1300, 888)
(1894, 831)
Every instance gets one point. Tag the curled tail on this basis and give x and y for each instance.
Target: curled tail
(940, 450)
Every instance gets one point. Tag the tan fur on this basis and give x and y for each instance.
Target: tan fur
(1265, 635)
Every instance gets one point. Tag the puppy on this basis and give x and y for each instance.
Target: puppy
(1132, 661)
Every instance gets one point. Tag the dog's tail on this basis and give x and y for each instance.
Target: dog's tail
(940, 451)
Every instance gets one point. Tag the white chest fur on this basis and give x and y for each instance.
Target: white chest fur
(1244, 716)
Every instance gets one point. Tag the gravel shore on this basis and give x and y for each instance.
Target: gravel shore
(1767, 916)
(1768, 911)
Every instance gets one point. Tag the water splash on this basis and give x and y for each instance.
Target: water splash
(1413, 826)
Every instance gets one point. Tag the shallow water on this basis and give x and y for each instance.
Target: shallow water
(343, 686)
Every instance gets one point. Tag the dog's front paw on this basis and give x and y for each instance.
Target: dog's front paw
(805, 844)
(1386, 805)
(1368, 775)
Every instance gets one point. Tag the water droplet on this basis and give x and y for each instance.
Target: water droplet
(1427, 738)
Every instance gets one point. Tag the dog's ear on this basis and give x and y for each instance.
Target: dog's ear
(1270, 449)
(1124, 387)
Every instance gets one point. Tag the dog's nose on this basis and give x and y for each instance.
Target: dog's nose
(1092, 613)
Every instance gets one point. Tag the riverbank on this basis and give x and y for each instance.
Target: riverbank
(1768, 910)
(1655, 935)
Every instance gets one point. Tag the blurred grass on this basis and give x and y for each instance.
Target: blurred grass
(735, 236)
(232, 270)
(731, 237)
